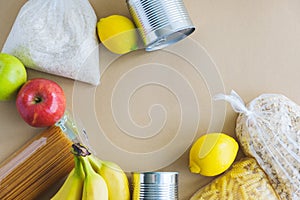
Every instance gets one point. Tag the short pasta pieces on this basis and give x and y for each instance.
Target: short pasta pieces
(245, 181)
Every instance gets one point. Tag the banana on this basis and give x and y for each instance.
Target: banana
(94, 187)
(72, 187)
(114, 176)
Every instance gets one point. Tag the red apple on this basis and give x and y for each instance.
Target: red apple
(41, 102)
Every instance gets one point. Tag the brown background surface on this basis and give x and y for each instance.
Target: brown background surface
(254, 44)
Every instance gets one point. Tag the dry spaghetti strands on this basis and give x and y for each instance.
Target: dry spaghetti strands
(38, 164)
(245, 181)
(50, 179)
(34, 176)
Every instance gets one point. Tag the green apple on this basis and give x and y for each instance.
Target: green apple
(12, 76)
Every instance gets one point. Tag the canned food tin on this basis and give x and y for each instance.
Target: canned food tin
(160, 22)
(155, 186)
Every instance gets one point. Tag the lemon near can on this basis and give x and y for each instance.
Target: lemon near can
(118, 34)
(212, 154)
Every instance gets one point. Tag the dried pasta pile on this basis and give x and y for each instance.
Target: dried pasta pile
(245, 181)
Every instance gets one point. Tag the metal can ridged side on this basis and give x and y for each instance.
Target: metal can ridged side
(160, 22)
(155, 185)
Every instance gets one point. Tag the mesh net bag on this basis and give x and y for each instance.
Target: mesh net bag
(57, 37)
(268, 129)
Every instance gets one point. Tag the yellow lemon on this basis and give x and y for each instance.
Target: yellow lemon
(212, 154)
(118, 34)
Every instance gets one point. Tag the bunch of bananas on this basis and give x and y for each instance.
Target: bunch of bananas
(93, 179)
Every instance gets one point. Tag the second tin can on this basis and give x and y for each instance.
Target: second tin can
(155, 186)
(160, 22)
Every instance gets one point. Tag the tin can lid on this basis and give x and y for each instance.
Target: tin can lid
(155, 177)
(166, 37)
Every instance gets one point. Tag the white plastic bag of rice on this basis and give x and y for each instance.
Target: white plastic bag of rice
(57, 37)
(268, 129)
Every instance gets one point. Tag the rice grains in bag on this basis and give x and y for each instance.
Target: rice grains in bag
(268, 129)
(57, 37)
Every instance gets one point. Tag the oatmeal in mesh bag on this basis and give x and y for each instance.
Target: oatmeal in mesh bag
(268, 129)
(57, 37)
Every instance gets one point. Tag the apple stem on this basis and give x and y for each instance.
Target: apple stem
(37, 99)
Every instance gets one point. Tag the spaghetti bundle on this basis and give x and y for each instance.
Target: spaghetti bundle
(41, 162)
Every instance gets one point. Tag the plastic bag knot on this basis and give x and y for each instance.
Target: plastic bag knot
(236, 102)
